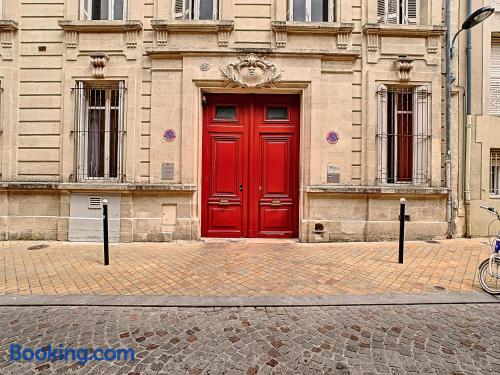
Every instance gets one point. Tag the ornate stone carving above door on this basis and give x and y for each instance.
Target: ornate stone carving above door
(251, 71)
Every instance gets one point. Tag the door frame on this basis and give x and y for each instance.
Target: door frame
(302, 158)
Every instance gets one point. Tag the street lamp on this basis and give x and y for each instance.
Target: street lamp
(472, 20)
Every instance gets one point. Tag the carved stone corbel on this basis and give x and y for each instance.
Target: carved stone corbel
(224, 30)
(7, 29)
(433, 43)
(280, 31)
(372, 41)
(98, 61)
(404, 66)
(343, 39)
(161, 37)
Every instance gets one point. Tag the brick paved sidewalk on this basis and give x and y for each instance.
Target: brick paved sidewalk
(239, 268)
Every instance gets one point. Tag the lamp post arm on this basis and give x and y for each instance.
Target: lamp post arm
(452, 49)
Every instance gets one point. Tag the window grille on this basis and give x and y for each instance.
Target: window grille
(402, 12)
(99, 129)
(495, 172)
(196, 9)
(103, 9)
(403, 135)
(311, 10)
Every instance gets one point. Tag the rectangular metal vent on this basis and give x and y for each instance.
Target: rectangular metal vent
(95, 202)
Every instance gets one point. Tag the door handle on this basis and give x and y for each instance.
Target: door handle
(241, 187)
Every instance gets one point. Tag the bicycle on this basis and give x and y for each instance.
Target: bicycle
(489, 269)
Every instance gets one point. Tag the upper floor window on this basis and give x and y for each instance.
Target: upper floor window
(495, 78)
(196, 9)
(495, 172)
(398, 12)
(403, 135)
(310, 10)
(103, 9)
(99, 114)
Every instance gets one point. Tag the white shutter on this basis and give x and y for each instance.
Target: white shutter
(411, 12)
(179, 9)
(216, 9)
(80, 118)
(421, 135)
(289, 10)
(84, 9)
(382, 133)
(121, 128)
(381, 10)
(495, 79)
(392, 14)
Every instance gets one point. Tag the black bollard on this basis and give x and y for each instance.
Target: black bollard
(105, 231)
(402, 206)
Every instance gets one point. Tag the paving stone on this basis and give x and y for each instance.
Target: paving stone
(196, 340)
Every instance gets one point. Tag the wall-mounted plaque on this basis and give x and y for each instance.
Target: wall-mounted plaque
(167, 171)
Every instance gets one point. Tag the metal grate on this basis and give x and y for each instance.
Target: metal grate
(403, 135)
(495, 172)
(99, 126)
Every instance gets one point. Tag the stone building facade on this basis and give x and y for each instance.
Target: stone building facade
(484, 140)
(240, 118)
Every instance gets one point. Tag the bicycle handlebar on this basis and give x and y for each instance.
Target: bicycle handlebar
(491, 209)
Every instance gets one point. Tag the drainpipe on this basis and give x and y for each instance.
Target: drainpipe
(468, 129)
(449, 81)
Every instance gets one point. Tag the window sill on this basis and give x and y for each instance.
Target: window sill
(326, 28)
(8, 25)
(192, 26)
(409, 190)
(404, 30)
(97, 186)
(100, 26)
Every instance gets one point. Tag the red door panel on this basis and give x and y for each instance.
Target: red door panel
(250, 166)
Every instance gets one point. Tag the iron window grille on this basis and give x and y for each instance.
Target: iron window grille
(103, 9)
(196, 9)
(311, 10)
(495, 172)
(398, 12)
(403, 135)
(100, 130)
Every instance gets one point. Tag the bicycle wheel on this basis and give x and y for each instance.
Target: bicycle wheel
(490, 283)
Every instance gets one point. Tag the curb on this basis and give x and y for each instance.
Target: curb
(241, 301)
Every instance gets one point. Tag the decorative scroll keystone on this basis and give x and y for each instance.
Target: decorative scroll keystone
(99, 61)
(404, 67)
(251, 71)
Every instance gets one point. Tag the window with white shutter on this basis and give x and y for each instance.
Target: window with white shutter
(311, 10)
(495, 78)
(103, 9)
(99, 129)
(195, 9)
(398, 12)
(403, 135)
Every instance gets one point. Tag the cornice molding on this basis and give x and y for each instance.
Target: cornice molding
(192, 26)
(100, 26)
(404, 30)
(327, 28)
(348, 55)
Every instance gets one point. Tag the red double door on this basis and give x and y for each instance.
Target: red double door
(250, 181)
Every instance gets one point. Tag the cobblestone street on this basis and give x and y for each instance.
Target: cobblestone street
(440, 339)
